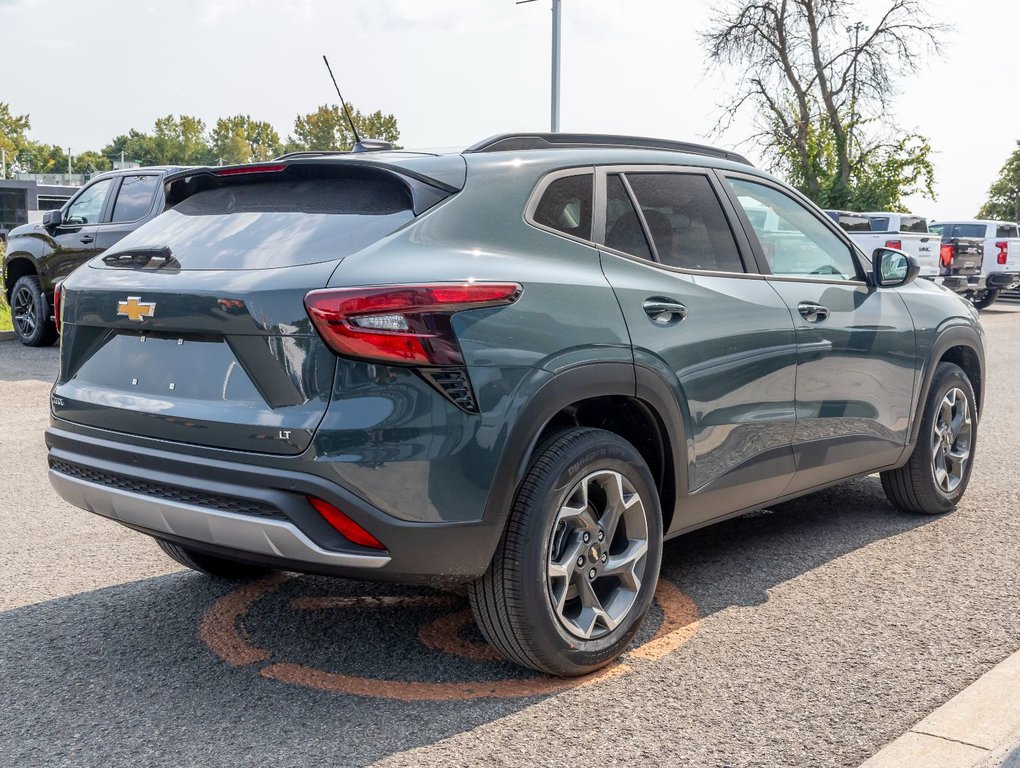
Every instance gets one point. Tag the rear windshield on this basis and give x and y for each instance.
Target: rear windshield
(1006, 230)
(278, 223)
(913, 224)
(852, 223)
(879, 223)
(966, 230)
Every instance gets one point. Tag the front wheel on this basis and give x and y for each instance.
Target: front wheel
(576, 570)
(935, 477)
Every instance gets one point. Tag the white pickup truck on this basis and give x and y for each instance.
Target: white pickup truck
(1000, 265)
(956, 269)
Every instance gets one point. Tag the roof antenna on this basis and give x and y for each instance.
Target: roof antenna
(368, 145)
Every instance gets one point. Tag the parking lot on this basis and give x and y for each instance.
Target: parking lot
(805, 635)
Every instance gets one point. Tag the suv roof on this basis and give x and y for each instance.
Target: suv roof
(515, 142)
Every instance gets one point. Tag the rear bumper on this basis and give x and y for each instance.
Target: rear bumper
(250, 514)
(1002, 280)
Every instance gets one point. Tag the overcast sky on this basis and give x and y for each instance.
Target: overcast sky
(455, 71)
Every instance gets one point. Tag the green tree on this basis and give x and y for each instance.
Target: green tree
(13, 132)
(239, 139)
(174, 140)
(327, 129)
(1003, 201)
(820, 89)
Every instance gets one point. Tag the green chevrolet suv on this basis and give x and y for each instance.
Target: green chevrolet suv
(520, 367)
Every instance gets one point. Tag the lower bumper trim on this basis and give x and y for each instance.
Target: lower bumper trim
(260, 536)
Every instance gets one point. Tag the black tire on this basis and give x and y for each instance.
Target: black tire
(210, 565)
(914, 487)
(513, 601)
(30, 314)
(985, 299)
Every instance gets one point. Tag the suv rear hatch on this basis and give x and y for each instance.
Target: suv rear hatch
(193, 328)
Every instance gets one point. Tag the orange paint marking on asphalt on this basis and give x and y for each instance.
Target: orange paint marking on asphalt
(219, 626)
(443, 634)
(220, 630)
(400, 690)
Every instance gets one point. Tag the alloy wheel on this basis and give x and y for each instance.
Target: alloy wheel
(597, 555)
(23, 311)
(951, 440)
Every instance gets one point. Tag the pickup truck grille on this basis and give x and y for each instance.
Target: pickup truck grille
(221, 503)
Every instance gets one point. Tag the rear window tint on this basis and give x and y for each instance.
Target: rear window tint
(852, 223)
(268, 224)
(879, 223)
(913, 224)
(967, 230)
(1006, 230)
(566, 206)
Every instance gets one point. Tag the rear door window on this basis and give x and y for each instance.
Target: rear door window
(686, 221)
(624, 232)
(913, 224)
(135, 197)
(1006, 230)
(566, 205)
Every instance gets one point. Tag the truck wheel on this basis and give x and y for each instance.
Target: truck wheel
(30, 314)
(985, 299)
(210, 565)
(936, 475)
(576, 570)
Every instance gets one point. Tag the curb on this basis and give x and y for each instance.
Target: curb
(980, 726)
(8, 336)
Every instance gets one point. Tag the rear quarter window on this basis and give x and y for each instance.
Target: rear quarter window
(852, 223)
(566, 205)
(1006, 230)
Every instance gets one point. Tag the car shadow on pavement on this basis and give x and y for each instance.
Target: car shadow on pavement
(299, 670)
(20, 363)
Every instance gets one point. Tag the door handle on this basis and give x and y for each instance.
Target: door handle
(812, 312)
(663, 311)
(87, 238)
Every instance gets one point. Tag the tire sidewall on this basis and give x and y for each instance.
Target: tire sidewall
(600, 451)
(948, 377)
(39, 336)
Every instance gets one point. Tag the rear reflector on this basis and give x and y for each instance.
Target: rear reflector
(349, 529)
(401, 324)
(241, 169)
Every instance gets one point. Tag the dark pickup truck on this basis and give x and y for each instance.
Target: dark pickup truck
(39, 255)
(961, 259)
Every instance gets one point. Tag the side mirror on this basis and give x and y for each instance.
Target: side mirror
(52, 219)
(892, 268)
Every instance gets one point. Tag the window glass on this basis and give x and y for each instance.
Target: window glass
(686, 221)
(89, 205)
(1006, 230)
(623, 228)
(879, 223)
(134, 199)
(795, 242)
(913, 224)
(854, 223)
(937, 228)
(566, 206)
(967, 230)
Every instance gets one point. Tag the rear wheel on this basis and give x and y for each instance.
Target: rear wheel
(985, 299)
(210, 565)
(30, 314)
(575, 573)
(935, 477)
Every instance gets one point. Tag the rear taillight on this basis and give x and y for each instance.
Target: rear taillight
(347, 528)
(897, 244)
(1003, 247)
(946, 254)
(57, 289)
(401, 324)
(242, 169)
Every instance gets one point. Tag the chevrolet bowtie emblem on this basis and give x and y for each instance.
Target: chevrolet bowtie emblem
(133, 308)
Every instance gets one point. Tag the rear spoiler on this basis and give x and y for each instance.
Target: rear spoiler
(425, 191)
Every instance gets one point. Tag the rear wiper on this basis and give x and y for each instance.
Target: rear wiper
(143, 258)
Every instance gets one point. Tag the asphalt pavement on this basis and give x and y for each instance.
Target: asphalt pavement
(810, 634)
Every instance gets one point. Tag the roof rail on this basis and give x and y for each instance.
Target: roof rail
(514, 142)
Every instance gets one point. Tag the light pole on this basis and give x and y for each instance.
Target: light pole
(554, 113)
(856, 29)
